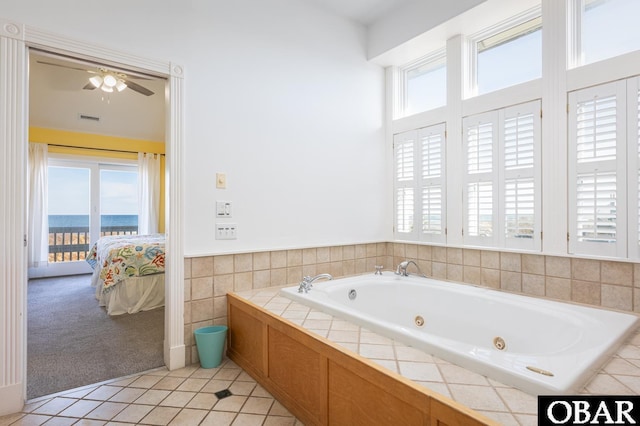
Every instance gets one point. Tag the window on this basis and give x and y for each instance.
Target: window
(78, 190)
(419, 184)
(508, 55)
(424, 84)
(502, 178)
(604, 135)
(604, 29)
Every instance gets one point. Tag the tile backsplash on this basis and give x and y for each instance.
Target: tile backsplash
(208, 279)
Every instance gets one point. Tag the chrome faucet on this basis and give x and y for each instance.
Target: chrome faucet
(306, 283)
(402, 268)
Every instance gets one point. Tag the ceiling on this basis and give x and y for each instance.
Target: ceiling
(57, 100)
(364, 12)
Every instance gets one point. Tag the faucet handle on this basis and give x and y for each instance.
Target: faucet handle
(378, 269)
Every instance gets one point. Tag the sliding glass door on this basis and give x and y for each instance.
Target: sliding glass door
(86, 200)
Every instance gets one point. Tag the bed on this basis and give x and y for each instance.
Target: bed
(128, 272)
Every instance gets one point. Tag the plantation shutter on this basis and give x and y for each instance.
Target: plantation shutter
(431, 186)
(597, 170)
(520, 159)
(405, 183)
(480, 178)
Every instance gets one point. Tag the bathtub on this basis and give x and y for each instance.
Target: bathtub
(538, 346)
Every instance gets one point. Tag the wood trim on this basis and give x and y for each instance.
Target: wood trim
(322, 383)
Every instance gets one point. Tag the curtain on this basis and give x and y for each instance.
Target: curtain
(148, 192)
(38, 235)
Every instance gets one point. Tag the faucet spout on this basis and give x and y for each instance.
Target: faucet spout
(402, 268)
(306, 283)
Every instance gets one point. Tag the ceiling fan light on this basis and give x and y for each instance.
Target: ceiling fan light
(106, 88)
(96, 81)
(110, 81)
(121, 85)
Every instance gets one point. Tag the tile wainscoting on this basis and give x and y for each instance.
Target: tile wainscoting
(208, 279)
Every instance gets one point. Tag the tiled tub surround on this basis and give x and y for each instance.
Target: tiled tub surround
(599, 283)
(499, 402)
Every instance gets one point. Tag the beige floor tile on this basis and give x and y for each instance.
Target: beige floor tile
(478, 397)
(261, 392)
(204, 373)
(248, 420)
(203, 401)
(152, 397)
(106, 410)
(255, 405)
(193, 385)
(184, 372)
(406, 353)
(454, 374)
(189, 417)
(232, 403)
(218, 418)
(227, 374)
(315, 324)
(279, 410)
(169, 383)
(518, 401)
(420, 371)
(32, 406)
(389, 364)
(604, 384)
(128, 395)
(621, 366)
(123, 382)
(369, 337)
(31, 420)
(440, 388)
(177, 399)
(80, 408)
(103, 393)
(377, 351)
(133, 413)
(245, 377)
(11, 419)
(242, 388)
(54, 406)
(216, 385)
(147, 381)
(60, 421)
(161, 415)
(90, 422)
(632, 382)
(346, 336)
(527, 419)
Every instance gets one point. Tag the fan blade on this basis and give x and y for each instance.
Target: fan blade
(89, 86)
(137, 88)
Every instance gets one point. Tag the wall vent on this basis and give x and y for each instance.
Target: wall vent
(88, 117)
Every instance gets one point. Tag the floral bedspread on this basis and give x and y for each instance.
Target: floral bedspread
(124, 256)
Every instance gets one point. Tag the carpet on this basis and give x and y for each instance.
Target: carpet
(72, 342)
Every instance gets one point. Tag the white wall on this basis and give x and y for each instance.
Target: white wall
(279, 96)
(412, 20)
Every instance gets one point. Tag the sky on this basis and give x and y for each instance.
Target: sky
(69, 191)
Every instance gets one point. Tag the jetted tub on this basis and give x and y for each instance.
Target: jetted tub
(539, 346)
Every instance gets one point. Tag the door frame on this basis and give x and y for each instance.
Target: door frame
(15, 41)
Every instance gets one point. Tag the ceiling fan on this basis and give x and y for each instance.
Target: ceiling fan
(107, 80)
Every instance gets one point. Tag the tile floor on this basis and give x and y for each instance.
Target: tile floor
(500, 402)
(161, 397)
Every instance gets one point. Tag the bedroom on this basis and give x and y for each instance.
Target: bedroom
(88, 140)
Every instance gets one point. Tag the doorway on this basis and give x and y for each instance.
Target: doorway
(70, 90)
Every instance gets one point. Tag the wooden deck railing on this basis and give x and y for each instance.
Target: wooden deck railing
(71, 243)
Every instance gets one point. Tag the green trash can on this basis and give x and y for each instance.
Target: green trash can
(210, 343)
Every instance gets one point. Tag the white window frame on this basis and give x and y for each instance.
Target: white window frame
(471, 89)
(419, 181)
(616, 166)
(633, 165)
(498, 176)
(434, 58)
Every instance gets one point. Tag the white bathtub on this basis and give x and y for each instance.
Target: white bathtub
(461, 323)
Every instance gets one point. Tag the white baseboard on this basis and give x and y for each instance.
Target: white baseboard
(11, 399)
(174, 357)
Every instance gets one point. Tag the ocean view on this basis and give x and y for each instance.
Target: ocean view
(65, 221)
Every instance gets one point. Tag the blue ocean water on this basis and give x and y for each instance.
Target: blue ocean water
(57, 221)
